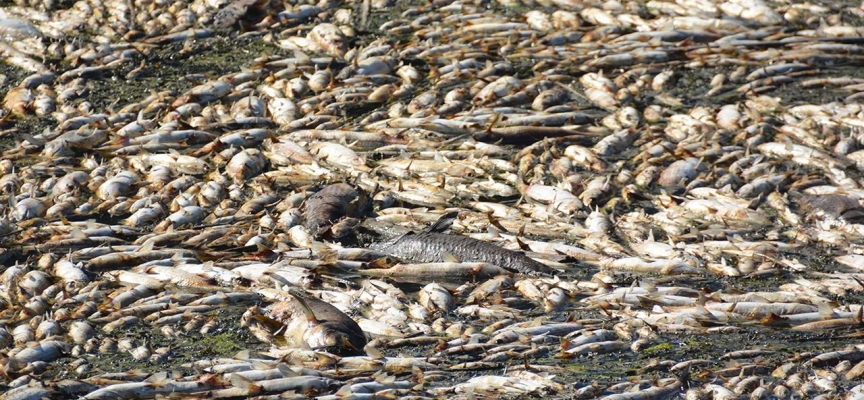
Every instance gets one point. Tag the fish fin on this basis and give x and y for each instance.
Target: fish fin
(522, 245)
(651, 298)
(492, 230)
(324, 253)
(146, 247)
(245, 383)
(495, 119)
(158, 379)
(702, 300)
(262, 250)
(302, 57)
(347, 344)
(825, 310)
(702, 311)
(78, 234)
(307, 311)
(260, 365)
(384, 377)
(446, 256)
(286, 371)
(344, 392)
(272, 136)
(539, 321)
(373, 352)
(443, 223)
(649, 286)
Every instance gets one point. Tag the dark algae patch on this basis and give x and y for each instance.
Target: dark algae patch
(658, 350)
(172, 67)
(225, 341)
(177, 67)
(216, 345)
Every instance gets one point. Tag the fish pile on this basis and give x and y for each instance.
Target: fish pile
(586, 199)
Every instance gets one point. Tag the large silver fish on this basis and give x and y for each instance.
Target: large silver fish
(432, 246)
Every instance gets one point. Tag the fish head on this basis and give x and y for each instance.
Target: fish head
(334, 338)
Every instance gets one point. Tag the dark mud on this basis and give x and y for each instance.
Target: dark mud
(226, 340)
(171, 68)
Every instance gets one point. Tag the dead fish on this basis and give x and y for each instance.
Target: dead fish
(328, 37)
(528, 134)
(48, 351)
(251, 10)
(319, 325)
(832, 205)
(322, 210)
(435, 247)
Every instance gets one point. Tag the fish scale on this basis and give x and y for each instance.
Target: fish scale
(431, 247)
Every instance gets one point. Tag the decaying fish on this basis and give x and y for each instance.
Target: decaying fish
(249, 10)
(312, 323)
(437, 247)
(330, 206)
(830, 206)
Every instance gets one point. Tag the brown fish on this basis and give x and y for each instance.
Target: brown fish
(318, 325)
(326, 208)
(831, 205)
